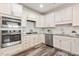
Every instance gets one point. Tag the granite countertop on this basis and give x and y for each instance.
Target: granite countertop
(68, 35)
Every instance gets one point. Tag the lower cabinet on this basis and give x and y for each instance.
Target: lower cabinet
(31, 40)
(61, 42)
(65, 43)
(69, 44)
(56, 42)
(75, 46)
(42, 38)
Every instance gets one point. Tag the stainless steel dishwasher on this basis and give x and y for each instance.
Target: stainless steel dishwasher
(49, 39)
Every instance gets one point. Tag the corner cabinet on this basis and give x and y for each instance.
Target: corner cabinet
(40, 22)
(46, 20)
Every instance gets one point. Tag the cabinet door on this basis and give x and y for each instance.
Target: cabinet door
(65, 43)
(35, 40)
(52, 20)
(58, 18)
(46, 22)
(5, 8)
(49, 20)
(41, 38)
(24, 17)
(40, 22)
(74, 46)
(67, 14)
(75, 15)
(56, 42)
(17, 10)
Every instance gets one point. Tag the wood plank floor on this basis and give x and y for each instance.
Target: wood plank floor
(42, 50)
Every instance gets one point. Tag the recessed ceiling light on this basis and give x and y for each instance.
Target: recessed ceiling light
(41, 5)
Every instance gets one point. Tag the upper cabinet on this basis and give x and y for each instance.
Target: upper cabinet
(12, 9)
(49, 20)
(46, 20)
(33, 16)
(16, 10)
(75, 15)
(63, 16)
(40, 22)
(58, 18)
(30, 15)
(5, 8)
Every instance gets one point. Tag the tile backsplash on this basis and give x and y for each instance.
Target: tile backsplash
(67, 29)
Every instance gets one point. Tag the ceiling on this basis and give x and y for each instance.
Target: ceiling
(47, 7)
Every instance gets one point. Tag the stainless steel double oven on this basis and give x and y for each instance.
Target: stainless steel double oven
(11, 31)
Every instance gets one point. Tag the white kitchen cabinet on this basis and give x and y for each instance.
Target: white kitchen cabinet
(30, 15)
(49, 20)
(33, 16)
(41, 21)
(34, 39)
(75, 15)
(74, 46)
(23, 22)
(12, 9)
(58, 15)
(38, 23)
(67, 14)
(41, 38)
(24, 17)
(69, 44)
(46, 20)
(62, 42)
(66, 43)
(56, 41)
(31, 40)
(28, 41)
(16, 9)
(5, 8)
(63, 16)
